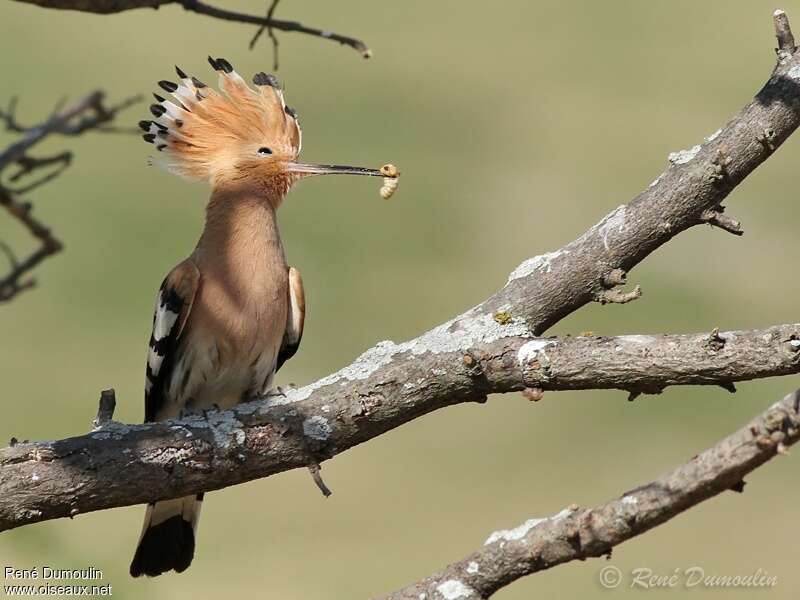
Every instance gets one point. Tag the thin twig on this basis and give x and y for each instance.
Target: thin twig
(8, 116)
(717, 218)
(227, 15)
(783, 32)
(201, 8)
(315, 469)
(273, 37)
(88, 113)
(12, 283)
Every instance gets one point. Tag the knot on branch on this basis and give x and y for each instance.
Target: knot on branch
(793, 345)
(533, 394)
(738, 487)
(534, 362)
(717, 170)
(614, 278)
(651, 390)
(610, 294)
(473, 362)
(715, 342)
(105, 410)
(767, 139)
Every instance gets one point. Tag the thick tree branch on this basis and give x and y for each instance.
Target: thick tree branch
(691, 190)
(461, 360)
(201, 8)
(579, 533)
(88, 113)
(490, 348)
(117, 464)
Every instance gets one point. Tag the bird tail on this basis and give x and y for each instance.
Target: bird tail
(167, 540)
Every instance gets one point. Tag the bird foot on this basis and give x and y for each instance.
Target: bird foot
(273, 393)
(187, 412)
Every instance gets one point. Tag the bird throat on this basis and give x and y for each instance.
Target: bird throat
(241, 241)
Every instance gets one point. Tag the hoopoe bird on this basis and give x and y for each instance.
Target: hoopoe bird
(232, 313)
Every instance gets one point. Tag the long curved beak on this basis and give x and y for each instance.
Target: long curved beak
(305, 169)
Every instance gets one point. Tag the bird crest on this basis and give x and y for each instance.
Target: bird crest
(206, 134)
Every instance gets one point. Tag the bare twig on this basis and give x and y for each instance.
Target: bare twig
(201, 8)
(105, 409)
(717, 218)
(88, 113)
(580, 533)
(783, 32)
(9, 118)
(13, 282)
(227, 15)
(315, 469)
(272, 36)
(28, 164)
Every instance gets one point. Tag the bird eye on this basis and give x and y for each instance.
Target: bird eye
(263, 151)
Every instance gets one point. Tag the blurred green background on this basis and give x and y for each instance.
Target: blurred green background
(517, 125)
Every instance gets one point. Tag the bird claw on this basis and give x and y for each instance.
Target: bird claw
(187, 412)
(274, 393)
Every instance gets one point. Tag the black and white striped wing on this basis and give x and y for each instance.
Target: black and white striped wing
(295, 321)
(173, 305)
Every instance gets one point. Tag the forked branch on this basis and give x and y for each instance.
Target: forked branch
(88, 113)
(202, 8)
(494, 347)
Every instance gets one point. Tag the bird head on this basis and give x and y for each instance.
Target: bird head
(240, 135)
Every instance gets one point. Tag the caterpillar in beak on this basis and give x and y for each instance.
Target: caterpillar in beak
(391, 178)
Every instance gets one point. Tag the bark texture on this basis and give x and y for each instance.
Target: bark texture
(493, 347)
(119, 465)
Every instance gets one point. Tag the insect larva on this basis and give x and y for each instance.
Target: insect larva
(389, 187)
(390, 180)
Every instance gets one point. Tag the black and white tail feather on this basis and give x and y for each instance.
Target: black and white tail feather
(168, 537)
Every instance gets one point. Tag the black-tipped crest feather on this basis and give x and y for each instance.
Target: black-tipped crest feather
(266, 79)
(224, 65)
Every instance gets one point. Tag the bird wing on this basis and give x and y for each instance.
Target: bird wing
(295, 320)
(173, 305)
